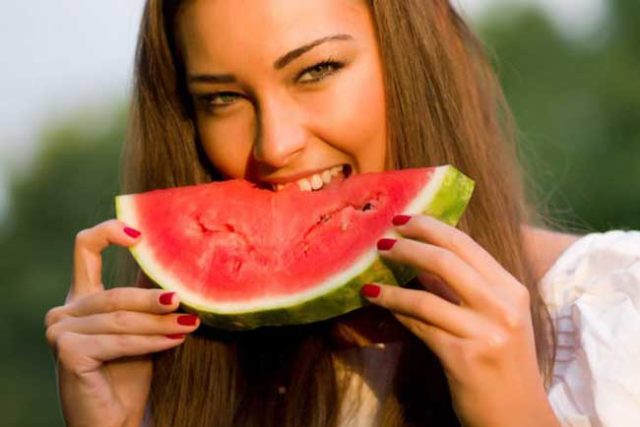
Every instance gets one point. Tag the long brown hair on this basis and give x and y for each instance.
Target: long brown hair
(444, 106)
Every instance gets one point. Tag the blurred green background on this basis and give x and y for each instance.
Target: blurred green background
(576, 102)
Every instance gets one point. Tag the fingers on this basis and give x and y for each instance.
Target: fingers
(424, 307)
(470, 286)
(95, 325)
(118, 299)
(437, 286)
(145, 316)
(81, 352)
(155, 301)
(437, 339)
(124, 323)
(110, 347)
(87, 260)
(429, 230)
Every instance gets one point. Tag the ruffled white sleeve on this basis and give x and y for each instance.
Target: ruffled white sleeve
(593, 294)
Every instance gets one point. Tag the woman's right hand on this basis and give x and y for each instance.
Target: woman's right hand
(102, 339)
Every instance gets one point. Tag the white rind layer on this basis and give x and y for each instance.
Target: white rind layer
(154, 270)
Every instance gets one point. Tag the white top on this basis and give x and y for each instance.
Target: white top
(593, 295)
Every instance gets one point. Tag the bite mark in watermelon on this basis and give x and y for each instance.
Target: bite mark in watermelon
(243, 257)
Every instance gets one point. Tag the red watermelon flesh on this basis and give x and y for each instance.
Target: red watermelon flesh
(245, 256)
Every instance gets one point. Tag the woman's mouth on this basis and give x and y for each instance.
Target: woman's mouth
(316, 181)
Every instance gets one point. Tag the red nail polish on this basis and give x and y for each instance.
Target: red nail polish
(370, 291)
(131, 232)
(401, 219)
(166, 298)
(386, 244)
(175, 336)
(187, 319)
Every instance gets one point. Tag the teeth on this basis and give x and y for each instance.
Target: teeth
(304, 185)
(316, 182)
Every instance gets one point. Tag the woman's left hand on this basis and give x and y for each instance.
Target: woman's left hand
(475, 318)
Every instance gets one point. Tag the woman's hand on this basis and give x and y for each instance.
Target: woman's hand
(475, 317)
(102, 340)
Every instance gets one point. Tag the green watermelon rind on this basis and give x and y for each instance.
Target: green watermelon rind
(445, 197)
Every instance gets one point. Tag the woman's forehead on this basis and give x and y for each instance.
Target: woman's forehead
(225, 30)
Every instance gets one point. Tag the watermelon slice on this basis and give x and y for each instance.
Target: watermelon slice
(243, 257)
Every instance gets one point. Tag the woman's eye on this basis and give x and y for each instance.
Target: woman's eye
(218, 100)
(319, 71)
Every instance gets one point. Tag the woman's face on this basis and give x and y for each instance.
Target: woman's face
(285, 89)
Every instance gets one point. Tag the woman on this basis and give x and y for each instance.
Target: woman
(275, 91)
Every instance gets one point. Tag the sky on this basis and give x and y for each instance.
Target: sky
(63, 56)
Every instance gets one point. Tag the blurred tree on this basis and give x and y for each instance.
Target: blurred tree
(577, 106)
(69, 187)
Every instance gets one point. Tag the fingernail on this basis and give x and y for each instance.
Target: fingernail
(166, 298)
(386, 244)
(401, 219)
(132, 232)
(370, 291)
(187, 319)
(175, 336)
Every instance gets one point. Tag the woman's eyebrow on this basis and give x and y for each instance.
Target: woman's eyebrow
(295, 53)
(212, 78)
(280, 63)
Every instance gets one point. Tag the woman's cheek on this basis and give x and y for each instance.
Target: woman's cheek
(227, 142)
(357, 119)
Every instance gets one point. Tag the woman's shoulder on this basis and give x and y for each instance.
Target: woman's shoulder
(544, 247)
(592, 292)
(595, 264)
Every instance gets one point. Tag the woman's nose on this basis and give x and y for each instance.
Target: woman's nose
(281, 135)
